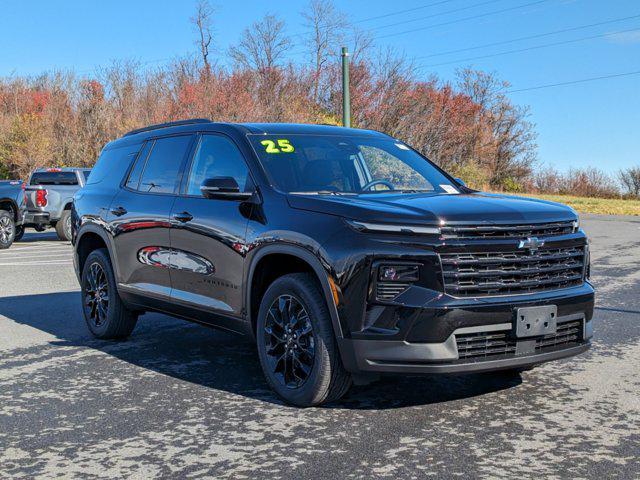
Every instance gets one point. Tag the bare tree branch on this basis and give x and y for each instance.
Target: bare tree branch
(203, 21)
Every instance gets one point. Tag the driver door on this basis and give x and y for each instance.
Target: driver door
(208, 235)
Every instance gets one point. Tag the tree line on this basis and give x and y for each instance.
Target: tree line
(468, 126)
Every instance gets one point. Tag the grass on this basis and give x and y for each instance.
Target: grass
(604, 206)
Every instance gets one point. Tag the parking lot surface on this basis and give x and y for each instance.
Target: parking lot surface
(178, 400)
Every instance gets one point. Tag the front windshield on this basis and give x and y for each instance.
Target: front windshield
(336, 164)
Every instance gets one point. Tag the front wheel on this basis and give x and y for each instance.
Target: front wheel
(7, 229)
(296, 344)
(105, 314)
(63, 226)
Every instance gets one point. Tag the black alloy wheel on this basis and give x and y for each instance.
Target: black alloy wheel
(289, 341)
(96, 295)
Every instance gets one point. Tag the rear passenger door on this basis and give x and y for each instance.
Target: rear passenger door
(139, 217)
(208, 235)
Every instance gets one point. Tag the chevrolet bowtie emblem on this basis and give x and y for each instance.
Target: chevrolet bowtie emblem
(531, 243)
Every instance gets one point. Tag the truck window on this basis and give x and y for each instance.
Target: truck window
(160, 174)
(54, 178)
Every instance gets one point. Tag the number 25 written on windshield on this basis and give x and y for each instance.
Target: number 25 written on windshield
(283, 146)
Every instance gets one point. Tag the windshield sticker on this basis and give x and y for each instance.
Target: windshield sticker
(402, 147)
(449, 188)
(282, 146)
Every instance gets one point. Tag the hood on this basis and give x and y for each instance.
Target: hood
(434, 209)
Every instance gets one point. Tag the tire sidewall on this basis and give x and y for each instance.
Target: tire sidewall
(64, 234)
(314, 389)
(101, 258)
(9, 242)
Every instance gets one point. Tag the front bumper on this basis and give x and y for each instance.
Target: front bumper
(437, 339)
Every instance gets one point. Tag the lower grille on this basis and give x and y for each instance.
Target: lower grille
(488, 345)
(507, 273)
(485, 344)
(566, 333)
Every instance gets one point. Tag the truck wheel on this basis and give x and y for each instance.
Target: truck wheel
(7, 229)
(19, 234)
(296, 344)
(63, 226)
(103, 310)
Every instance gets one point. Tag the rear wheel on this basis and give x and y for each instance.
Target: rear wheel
(296, 344)
(103, 310)
(63, 226)
(7, 229)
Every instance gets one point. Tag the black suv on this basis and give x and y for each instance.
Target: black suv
(343, 252)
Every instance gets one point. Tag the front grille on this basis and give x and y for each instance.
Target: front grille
(390, 290)
(485, 344)
(509, 231)
(566, 333)
(507, 273)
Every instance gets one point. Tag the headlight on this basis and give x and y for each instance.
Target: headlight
(392, 279)
(398, 273)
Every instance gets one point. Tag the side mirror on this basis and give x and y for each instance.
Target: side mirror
(223, 188)
(460, 181)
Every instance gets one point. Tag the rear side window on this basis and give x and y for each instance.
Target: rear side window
(54, 178)
(160, 174)
(85, 174)
(113, 164)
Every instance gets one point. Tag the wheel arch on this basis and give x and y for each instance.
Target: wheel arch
(301, 255)
(10, 205)
(90, 238)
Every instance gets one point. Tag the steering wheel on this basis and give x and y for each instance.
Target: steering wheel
(373, 183)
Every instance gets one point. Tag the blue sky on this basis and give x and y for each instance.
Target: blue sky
(586, 124)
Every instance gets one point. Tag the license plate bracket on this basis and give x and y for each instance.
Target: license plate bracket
(536, 321)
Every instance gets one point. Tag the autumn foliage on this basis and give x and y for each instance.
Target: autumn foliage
(469, 126)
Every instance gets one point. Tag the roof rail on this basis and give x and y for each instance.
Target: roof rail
(190, 121)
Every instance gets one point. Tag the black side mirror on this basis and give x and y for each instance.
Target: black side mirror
(223, 188)
(460, 181)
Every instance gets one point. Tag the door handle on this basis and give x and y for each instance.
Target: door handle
(118, 211)
(183, 217)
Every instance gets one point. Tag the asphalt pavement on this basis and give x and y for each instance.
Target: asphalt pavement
(178, 400)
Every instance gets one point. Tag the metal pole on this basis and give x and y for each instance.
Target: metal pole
(346, 100)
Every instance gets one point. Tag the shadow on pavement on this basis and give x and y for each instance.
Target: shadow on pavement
(31, 236)
(223, 361)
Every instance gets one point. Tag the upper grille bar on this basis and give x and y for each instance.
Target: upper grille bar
(509, 231)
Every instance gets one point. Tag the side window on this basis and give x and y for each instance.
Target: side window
(134, 176)
(113, 164)
(161, 171)
(217, 156)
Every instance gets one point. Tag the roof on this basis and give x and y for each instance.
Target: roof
(306, 128)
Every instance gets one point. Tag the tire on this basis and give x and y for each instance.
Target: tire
(7, 229)
(63, 226)
(19, 234)
(106, 319)
(310, 379)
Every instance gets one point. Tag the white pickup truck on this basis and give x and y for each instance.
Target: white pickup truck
(49, 194)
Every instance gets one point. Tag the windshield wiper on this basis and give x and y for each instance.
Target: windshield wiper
(322, 192)
(399, 191)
